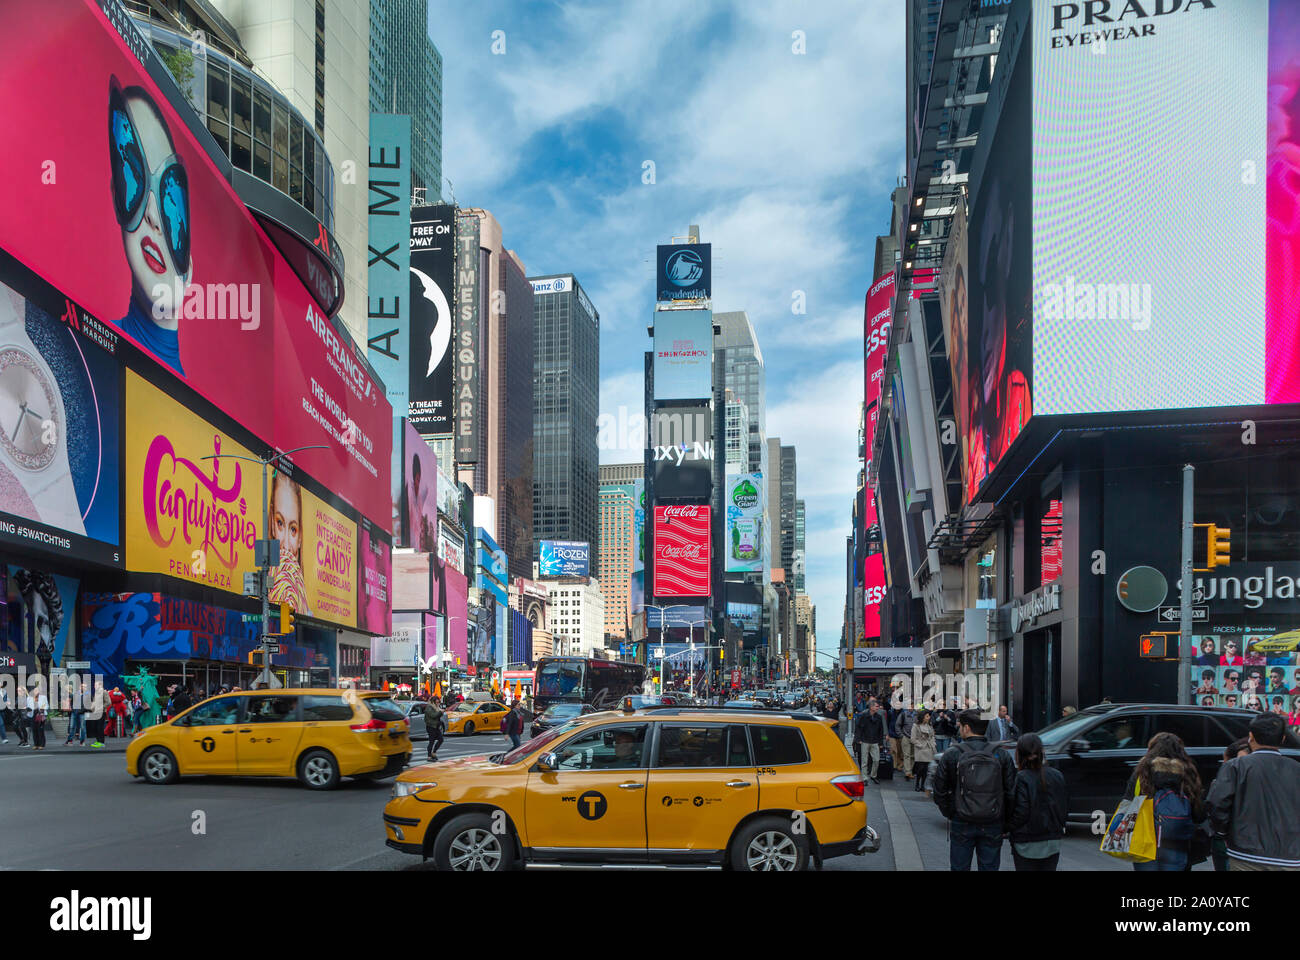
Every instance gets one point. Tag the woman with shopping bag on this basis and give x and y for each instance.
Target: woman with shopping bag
(1168, 779)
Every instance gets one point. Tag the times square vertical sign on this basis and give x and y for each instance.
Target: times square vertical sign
(467, 339)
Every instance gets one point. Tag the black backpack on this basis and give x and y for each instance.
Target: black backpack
(979, 785)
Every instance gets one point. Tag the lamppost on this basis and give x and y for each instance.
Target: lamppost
(263, 552)
(662, 627)
(692, 625)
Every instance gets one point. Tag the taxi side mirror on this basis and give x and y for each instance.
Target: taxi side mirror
(548, 762)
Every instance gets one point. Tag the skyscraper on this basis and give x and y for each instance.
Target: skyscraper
(787, 489)
(741, 368)
(406, 77)
(566, 405)
(617, 549)
(504, 410)
(800, 551)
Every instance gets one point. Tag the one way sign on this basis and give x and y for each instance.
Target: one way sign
(1170, 615)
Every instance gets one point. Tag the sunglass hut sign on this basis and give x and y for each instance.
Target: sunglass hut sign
(1097, 22)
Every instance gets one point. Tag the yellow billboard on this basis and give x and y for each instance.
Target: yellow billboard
(199, 519)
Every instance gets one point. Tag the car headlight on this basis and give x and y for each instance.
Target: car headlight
(410, 789)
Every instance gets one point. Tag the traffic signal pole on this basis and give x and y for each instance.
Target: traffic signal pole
(1185, 600)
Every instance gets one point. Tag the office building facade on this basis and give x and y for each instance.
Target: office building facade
(406, 77)
(617, 554)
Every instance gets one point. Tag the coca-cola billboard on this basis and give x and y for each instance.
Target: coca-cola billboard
(681, 551)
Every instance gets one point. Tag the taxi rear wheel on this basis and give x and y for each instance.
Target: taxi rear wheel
(468, 843)
(769, 843)
(318, 770)
(469, 728)
(157, 765)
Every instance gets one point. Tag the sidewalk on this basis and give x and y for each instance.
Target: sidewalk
(55, 745)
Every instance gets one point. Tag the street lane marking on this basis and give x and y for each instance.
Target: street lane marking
(907, 855)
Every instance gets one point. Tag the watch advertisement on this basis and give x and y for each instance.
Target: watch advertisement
(60, 449)
(140, 226)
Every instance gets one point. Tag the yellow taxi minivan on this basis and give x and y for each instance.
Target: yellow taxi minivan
(317, 735)
(742, 789)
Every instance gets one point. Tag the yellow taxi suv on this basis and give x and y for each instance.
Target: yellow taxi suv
(476, 716)
(742, 789)
(316, 735)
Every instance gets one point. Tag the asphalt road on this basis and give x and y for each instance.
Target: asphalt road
(82, 812)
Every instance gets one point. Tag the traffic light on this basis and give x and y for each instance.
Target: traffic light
(255, 658)
(286, 618)
(1219, 547)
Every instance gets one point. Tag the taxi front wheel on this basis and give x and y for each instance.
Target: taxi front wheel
(468, 842)
(769, 843)
(317, 770)
(157, 765)
(469, 728)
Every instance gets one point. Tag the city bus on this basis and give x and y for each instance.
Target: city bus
(600, 683)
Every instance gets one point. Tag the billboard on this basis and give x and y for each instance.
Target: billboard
(564, 558)
(681, 551)
(745, 511)
(1075, 310)
(681, 438)
(60, 449)
(748, 615)
(953, 303)
(197, 519)
(374, 602)
(432, 293)
(419, 493)
(684, 271)
(388, 304)
(174, 263)
(879, 316)
(873, 594)
(683, 355)
(469, 314)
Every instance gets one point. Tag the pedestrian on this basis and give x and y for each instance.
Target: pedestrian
(1254, 802)
(1002, 728)
(869, 732)
(77, 715)
(19, 716)
(945, 729)
(38, 707)
(434, 725)
(974, 787)
(1169, 777)
(1218, 844)
(513, 725)
(95, 717)
(923, 744)
(1068, 711)
(138, 711)
(1038, 808)
(6, 714)
(906, 724)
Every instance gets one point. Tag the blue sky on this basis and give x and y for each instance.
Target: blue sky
(785, 161)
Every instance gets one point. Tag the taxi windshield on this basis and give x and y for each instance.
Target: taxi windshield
(465, 706)
(541, 740)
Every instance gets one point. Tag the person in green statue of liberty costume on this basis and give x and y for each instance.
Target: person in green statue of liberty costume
(147, 685)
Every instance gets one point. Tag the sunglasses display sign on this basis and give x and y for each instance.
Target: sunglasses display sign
(130, 217)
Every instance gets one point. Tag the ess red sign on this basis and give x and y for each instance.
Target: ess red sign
(681, 551)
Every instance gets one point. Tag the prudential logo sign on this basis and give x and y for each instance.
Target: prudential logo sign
(684, 272)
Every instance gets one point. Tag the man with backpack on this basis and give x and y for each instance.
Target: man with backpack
(974, 786)
(512, 725)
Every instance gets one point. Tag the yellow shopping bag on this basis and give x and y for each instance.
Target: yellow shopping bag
(1131, 834)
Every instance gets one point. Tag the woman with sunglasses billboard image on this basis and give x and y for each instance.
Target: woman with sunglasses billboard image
(151, 200)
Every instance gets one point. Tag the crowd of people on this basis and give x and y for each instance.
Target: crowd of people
(1248, 818)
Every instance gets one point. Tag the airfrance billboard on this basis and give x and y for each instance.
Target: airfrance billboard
(564, 558)
(684, 271)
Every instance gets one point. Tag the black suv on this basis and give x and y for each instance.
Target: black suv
(1098, 748)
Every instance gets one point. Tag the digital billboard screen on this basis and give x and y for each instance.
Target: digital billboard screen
(681, 438)
(683, 355)
(432, 294)
(388, 306)
(139, 226)
(684, 271)
(682, 538)
(564, 558)
(748, 615)
(879, 317)
(745, 508)
(60, 405)
(420, 495)
(1080, 302)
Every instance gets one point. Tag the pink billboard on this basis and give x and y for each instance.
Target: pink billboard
(879, 313)
(374, 601)
(420, 493)
(873, 594)
(457, 610)
(681, 551)
(107, 194)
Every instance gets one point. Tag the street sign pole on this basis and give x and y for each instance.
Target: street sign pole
(1185, 613)
(266, 581)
